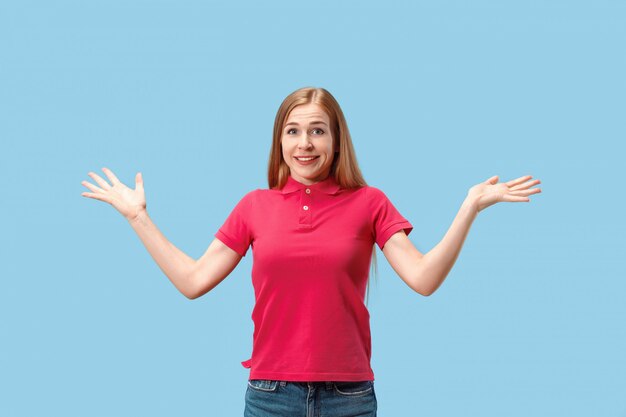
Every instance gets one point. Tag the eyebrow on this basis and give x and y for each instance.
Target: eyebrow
(317, 122)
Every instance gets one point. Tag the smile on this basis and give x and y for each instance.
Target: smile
(306, 161)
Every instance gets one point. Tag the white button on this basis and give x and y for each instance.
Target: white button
(308, 191)
(306, 207)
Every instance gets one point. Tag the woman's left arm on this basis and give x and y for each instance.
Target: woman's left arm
(425, 273)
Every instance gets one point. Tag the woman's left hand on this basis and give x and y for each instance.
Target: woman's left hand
(491, 191)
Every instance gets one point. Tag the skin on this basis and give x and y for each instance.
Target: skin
(424, 273)
(306, 133)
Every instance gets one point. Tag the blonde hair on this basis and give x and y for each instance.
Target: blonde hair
(345, 168)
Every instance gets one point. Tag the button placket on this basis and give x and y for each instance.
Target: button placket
(305, 207)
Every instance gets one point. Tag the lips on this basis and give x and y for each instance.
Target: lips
(306, 163)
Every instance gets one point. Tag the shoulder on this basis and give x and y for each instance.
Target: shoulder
(261, 193)
(248, 196)
(371, 190)
(261, 196)
(247, 200)
(374, 194)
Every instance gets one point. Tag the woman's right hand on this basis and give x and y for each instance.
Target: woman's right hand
(130, 203)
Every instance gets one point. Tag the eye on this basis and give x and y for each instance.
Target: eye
(290, 130)
(322, 132)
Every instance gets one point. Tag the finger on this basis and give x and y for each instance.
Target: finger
(518, 180)
(534, 191)
(102, 183)
(139, 181)
(101, 197)
(525, 192)
(492, 180)
(526, 185)
(92, 187)
(111, 176)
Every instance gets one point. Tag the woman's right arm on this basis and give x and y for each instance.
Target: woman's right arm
(174, 263)
(192, 278)
(216, 264)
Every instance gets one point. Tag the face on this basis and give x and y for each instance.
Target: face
(307, 134)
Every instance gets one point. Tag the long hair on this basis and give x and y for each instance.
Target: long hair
(344, 168)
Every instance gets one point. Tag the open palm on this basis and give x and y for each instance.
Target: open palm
(127, 201)
(491, 191)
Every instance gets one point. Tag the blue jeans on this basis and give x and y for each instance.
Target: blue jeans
(272, 398)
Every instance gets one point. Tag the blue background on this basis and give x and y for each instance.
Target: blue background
(439, 96)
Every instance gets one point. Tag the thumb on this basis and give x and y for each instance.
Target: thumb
(139, 180)
(492, 180)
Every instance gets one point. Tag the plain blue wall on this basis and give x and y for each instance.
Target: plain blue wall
(438, 95)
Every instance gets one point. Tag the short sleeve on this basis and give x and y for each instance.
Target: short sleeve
(236, 232)
(386, 219)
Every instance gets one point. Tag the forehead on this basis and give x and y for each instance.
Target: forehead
(306, 112)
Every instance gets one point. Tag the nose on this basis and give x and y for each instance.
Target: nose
(304, 142)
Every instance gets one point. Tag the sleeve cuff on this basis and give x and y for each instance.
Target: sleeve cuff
(390, 230)
(231, 243)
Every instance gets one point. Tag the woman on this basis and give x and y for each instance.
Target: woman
(312, 233)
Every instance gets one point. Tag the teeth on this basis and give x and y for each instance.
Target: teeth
(306, 159)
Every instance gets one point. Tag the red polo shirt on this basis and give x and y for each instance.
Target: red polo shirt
(312, 248)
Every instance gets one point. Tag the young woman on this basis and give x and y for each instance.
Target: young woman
(312, 233)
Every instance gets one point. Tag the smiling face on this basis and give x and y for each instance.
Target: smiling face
(307, 134)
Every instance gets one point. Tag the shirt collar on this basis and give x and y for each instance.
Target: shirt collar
(327, 186)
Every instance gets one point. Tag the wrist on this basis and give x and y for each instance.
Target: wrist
(471, 204)
(137, 217)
